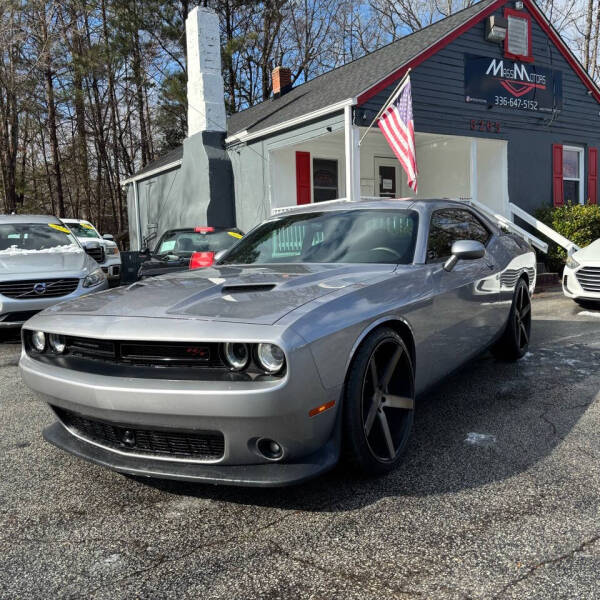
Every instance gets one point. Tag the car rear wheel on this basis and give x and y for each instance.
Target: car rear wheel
(378, 404)
(514, 342)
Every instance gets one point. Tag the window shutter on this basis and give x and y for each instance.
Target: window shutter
(593, 175)
(302, 177)
(557, 174)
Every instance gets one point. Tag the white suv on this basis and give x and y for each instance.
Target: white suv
(101, 248)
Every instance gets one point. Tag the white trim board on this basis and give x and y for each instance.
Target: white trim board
(167, 167)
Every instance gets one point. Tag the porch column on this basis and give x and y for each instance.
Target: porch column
(351, 138)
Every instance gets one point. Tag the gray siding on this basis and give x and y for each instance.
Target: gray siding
(439, 107)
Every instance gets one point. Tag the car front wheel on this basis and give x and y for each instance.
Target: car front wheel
(378, 404)
(514, 342)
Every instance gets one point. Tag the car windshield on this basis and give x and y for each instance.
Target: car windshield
(182, 243)
(83, 230)
(351, 236)
(22, 238)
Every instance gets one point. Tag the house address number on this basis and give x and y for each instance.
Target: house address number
(482, 125)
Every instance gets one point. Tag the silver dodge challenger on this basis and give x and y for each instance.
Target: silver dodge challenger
(310, 340)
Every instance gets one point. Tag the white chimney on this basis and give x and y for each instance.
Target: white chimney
(206, 107)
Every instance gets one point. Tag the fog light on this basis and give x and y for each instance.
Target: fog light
(237, 355)
(269, 449)
(270, 357)
(38, 341)
(57, 343)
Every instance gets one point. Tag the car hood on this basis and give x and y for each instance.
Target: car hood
(589, 255)
(49, 263)
(245, 294)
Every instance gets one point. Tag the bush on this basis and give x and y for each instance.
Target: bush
(579, 223)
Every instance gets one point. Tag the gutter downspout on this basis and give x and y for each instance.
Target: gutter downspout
(136, 201)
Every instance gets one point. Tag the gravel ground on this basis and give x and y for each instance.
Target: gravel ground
(510, 513)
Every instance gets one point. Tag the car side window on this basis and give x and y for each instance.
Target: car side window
(449, 225)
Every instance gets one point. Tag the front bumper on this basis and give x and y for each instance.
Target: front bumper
(243, 411)
(112, 267)
(572, 288)
(14, 312)
(256, 475)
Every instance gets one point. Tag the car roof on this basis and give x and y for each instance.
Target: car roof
(75, 221)
(210, 229)
(420, 204)
(28, 219)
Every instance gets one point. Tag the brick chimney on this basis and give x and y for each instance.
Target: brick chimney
(282, 81)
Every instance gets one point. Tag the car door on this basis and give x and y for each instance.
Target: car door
(466, 301)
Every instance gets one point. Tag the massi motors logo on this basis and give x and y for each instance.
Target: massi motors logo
(515, 78)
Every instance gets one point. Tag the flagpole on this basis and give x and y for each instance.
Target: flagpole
(387, 103)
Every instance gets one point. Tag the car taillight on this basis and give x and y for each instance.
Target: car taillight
(204, 229)
(200, 260)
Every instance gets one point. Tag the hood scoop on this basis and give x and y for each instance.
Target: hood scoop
(247, 288)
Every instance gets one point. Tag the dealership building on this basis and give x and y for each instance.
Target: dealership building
(504, 114)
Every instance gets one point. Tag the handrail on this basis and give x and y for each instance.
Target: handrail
(561, 240)
(504, 222)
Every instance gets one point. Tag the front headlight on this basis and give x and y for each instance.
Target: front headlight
(94, 278)
(270, 357)
(572, 263)
(111, 251)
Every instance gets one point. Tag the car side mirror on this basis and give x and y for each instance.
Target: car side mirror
(464, 250)
(91, 245)
(145, 252)
(108, 236)
(219, 255)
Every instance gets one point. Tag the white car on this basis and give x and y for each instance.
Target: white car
(581, 277)
(107, 254)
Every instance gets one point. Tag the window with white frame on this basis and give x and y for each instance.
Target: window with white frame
(325, 179)
(573, 169)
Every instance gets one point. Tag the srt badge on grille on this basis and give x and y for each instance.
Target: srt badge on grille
(39, 288)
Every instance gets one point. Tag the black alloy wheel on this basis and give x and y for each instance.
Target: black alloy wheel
(514, 342)
(379, 403)
(522, 316)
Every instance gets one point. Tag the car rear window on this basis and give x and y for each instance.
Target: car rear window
(187, 242)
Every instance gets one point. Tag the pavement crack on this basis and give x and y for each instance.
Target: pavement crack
(548, 561)
(344, 576)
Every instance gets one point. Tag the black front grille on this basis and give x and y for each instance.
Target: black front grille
(36, 288)
(175, 354)
(96, 253)
(589, 278)
(193, 445)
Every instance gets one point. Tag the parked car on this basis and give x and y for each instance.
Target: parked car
(581, 276)
(316, 332)
(41, 264)
(183, 249)
(105, 252)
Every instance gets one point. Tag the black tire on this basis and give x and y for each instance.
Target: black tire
(379, 395)
(514, 342)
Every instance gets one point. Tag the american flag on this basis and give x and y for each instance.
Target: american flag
(398, 127)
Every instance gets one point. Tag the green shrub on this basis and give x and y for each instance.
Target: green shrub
(579, 223)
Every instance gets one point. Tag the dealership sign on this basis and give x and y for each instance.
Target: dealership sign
(512, 85)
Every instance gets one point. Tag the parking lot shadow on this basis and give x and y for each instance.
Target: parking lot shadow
(486, 423)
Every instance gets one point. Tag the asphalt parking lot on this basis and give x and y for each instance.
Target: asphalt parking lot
(498, 497)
